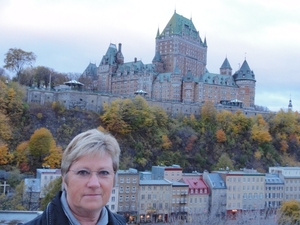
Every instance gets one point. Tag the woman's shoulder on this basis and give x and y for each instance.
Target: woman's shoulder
(115, 219)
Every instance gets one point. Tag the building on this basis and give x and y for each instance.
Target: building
(171, 173)
(291, 179)
(46, 176)
(128, 181)
(154, 201)
(198, 198)
(177, 73)
(113, 201)
(218, 190)
(274, 191)
(245, 190)
(179, 206)
(31, 194)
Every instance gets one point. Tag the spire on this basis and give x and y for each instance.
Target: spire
(205, 44)
(157, 34)
(290, 106)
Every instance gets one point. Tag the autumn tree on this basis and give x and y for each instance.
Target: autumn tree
(5, 156)
(21, 156)
(166, 143)
(16, 59)
(54, 158)
(260, 130)
(42, 76)
(40, 143)
(112, 118)
(5, 128)
(221, 136)
(290, 213)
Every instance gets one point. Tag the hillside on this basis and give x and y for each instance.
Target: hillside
(148, 136)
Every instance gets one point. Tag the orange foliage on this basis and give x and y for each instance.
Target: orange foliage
(283, 145)
(221, 136)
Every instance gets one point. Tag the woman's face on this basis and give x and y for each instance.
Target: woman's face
(89, 183)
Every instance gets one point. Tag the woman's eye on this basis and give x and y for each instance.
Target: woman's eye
(83, 173)
(103, 173)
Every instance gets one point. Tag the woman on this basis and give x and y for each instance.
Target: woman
(88, 169)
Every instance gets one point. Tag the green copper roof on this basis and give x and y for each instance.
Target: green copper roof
(180, 25)
(217, 79)
(244, 73)
(225, 64)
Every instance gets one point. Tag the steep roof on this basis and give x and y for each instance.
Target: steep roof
(110, 56)
(226, 64)
(91, 70)
(179, 25)
(157, 57)
(244, 73)
(217, 79)
(216, 181)
(195, 182)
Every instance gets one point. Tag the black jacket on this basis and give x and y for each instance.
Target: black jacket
(54, 215)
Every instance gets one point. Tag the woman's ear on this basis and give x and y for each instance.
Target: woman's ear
(63, 183)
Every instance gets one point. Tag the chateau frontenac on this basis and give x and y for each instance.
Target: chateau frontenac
(178, 71)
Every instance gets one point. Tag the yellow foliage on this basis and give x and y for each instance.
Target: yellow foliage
(5, 127)
(290, 212)
(166, 142)
(54, 158)
(21, 153)
(257, 155)
(5, 156)
(260, 134)
(39, 115)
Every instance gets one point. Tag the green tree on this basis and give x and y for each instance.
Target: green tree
(224, 162)
(16, 59)
(51, 190)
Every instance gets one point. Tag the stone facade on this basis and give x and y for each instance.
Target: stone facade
(178, 71)
(94, 101)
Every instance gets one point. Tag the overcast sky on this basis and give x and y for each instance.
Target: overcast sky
(66, 35)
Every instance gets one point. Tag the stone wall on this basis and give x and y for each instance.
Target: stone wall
(94, 102)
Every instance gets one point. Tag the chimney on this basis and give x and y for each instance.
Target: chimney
(134, 59)
(120, 47)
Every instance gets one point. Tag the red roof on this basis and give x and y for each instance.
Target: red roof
(196, 183)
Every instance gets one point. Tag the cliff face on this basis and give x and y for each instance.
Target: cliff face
(63, 125)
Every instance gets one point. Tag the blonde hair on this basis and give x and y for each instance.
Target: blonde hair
(91, 142)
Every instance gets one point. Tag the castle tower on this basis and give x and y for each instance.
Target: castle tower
(180, 44)
(245, 79)
(226, 68)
